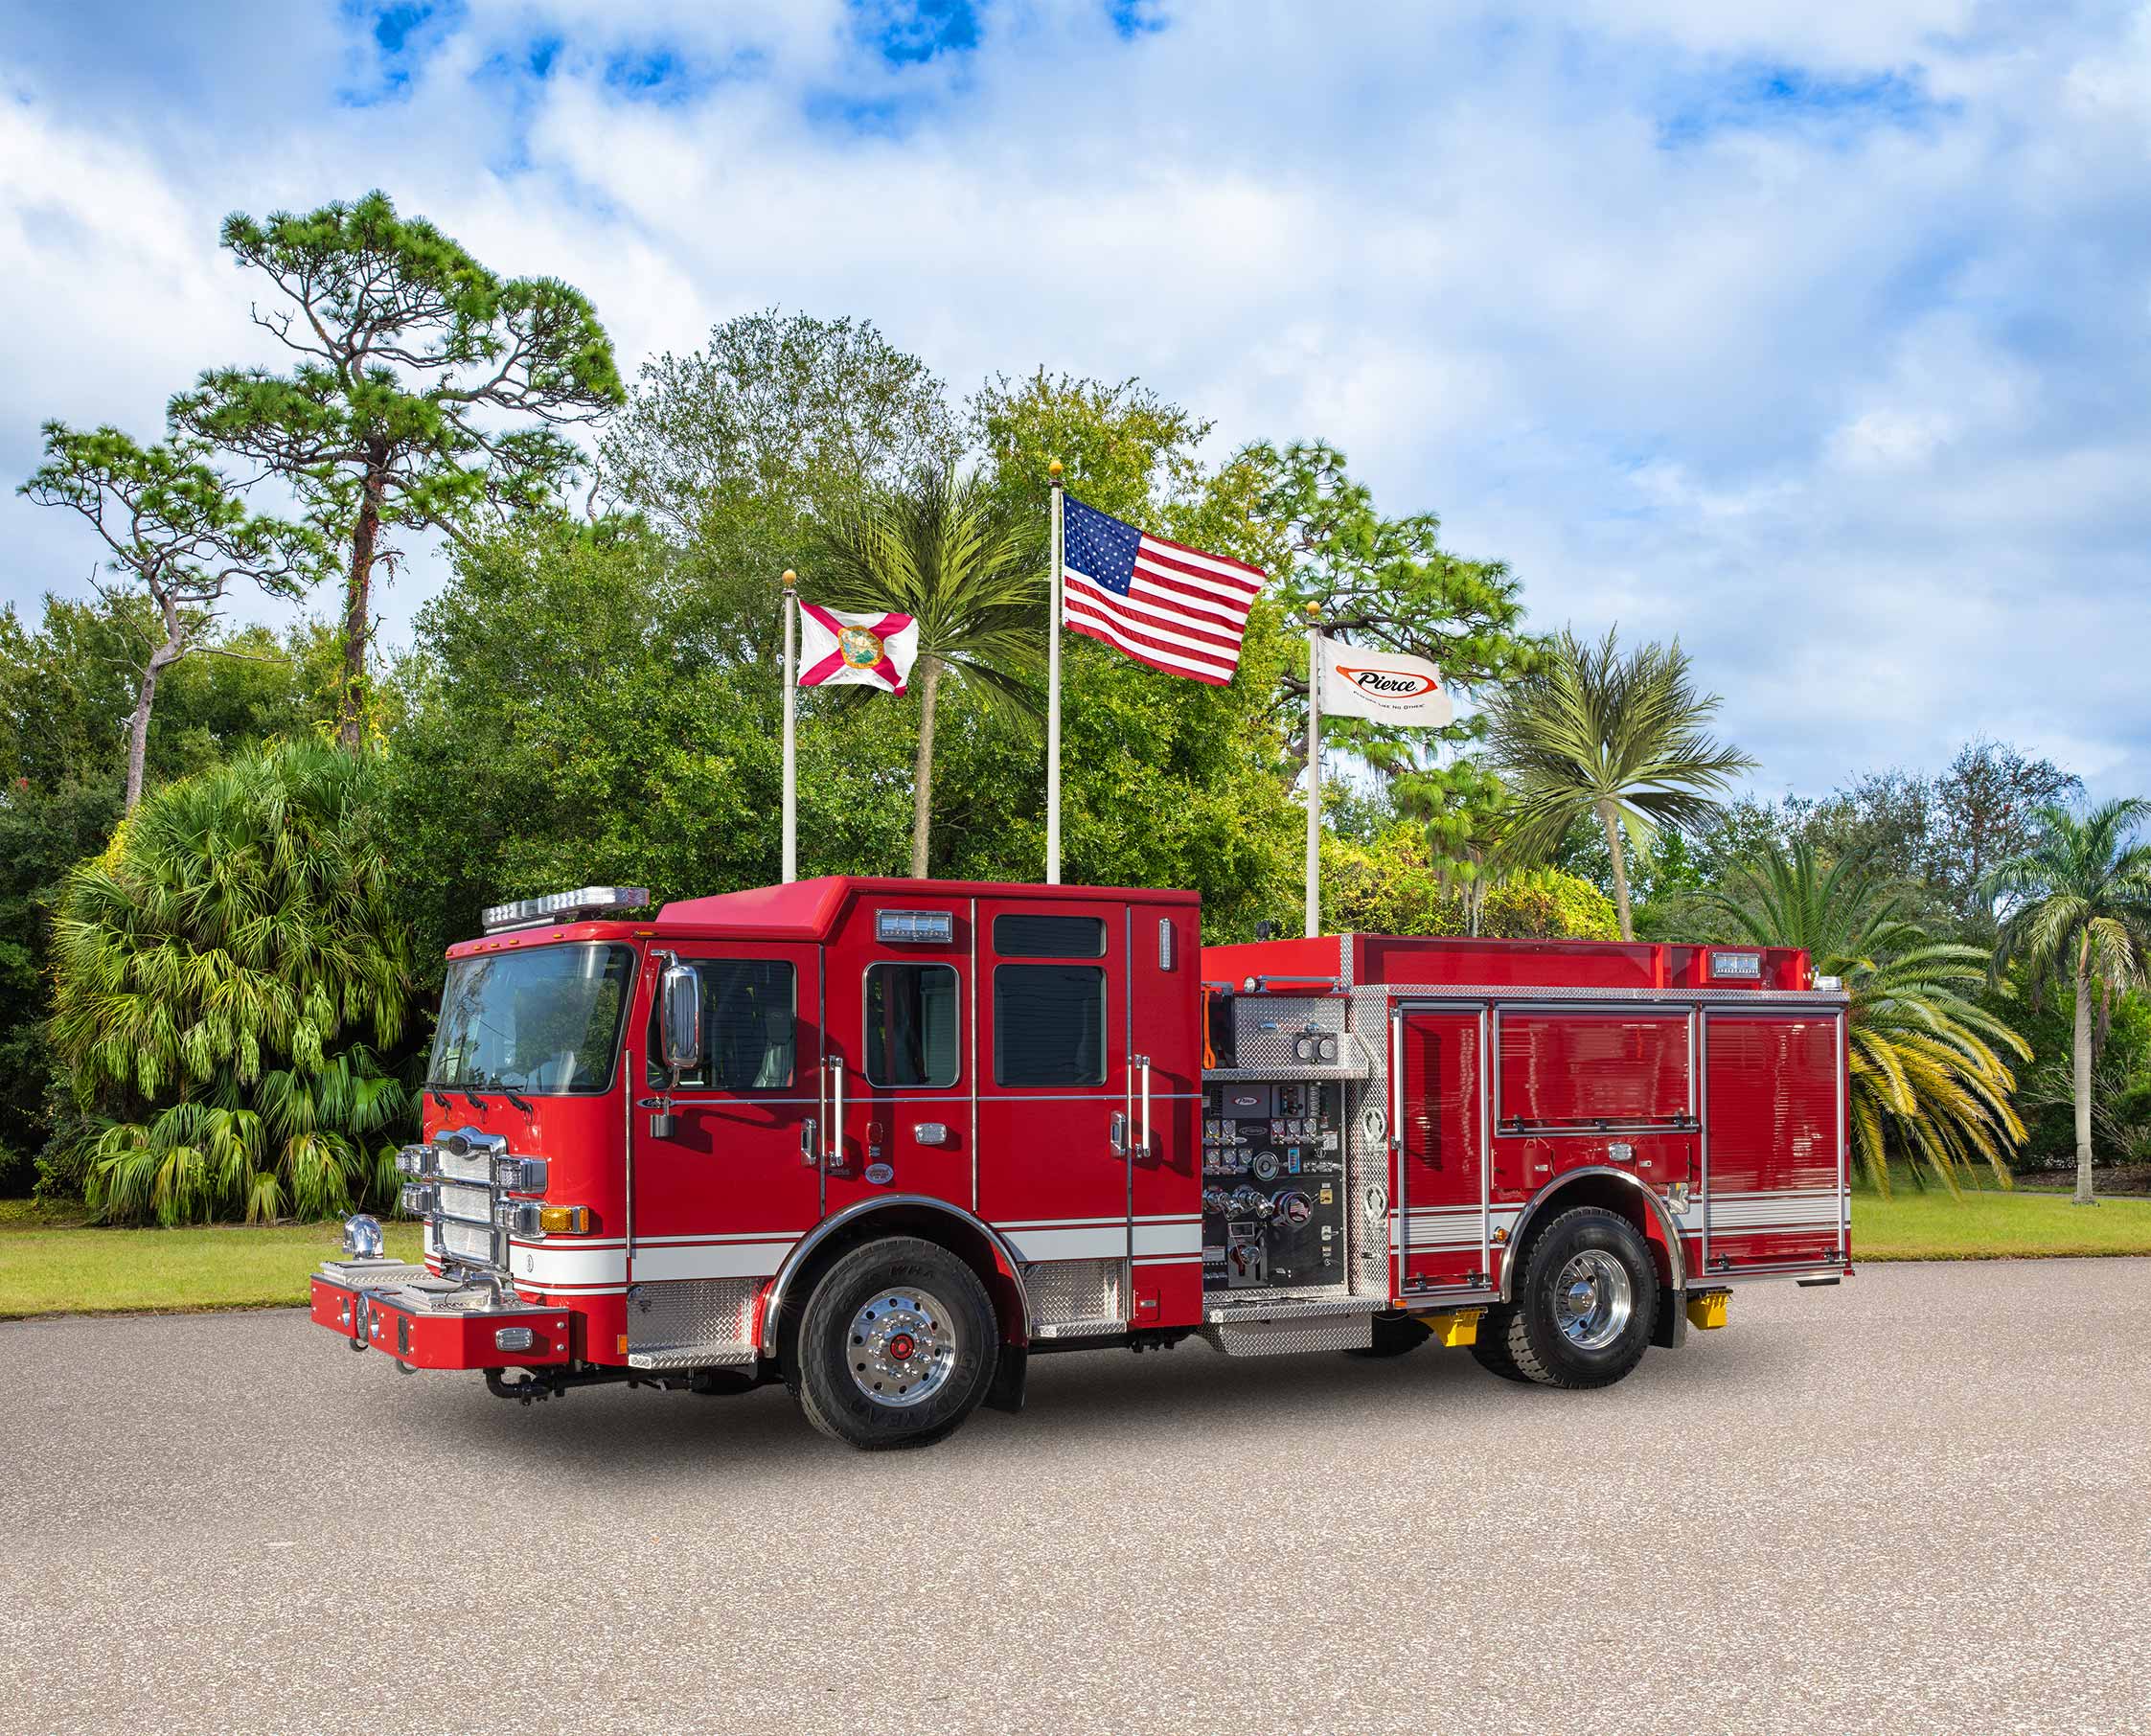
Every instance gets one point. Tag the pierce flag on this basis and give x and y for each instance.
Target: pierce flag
(838, 648)
(1385, 687)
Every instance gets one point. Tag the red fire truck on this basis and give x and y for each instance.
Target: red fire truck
(885, 1140)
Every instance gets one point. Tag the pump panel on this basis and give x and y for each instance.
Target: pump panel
(1272, 1185)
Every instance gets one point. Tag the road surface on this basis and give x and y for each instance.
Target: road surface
(1917, 1502)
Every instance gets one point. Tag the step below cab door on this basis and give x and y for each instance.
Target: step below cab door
(1438, 1139)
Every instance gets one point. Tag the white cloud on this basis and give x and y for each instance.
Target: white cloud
(1815, 334)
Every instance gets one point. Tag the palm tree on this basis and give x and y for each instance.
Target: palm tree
(1925, 1074)
(1621, 738)
(2079, 908)
(215, 973)
(944, 551)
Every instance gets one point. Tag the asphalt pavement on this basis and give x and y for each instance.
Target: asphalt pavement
(1917, 1502)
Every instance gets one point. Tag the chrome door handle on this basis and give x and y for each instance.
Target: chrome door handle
(810, 1140)
(835, 1113)
(1116, 1132)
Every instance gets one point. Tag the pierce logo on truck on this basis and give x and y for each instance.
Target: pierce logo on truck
(882, 1141)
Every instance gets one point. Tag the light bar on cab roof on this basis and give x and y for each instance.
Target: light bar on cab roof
(565, 906)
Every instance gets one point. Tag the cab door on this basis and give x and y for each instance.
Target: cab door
(1056, 1096)
(898, 1055)
(725, 1174)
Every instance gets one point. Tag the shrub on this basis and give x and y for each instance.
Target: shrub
(227, 977)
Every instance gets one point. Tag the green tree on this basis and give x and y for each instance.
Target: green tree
(1926, 1076)
(218, 975)
(426, 390)
(1395, 884)
(735, 450)
(1621, 738)
(2078, 907)
(172, 526)
(572, 713)
(944, 551)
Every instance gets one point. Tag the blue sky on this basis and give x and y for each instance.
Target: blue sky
(1818, 335)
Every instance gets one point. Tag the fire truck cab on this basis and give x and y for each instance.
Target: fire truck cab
(886, 1139)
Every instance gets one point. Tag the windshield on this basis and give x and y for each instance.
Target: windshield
(546, 1021)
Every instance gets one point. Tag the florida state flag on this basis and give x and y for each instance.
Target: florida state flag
(838, 647)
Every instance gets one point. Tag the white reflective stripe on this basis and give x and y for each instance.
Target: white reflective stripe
(1014, 1224)
(1162, 1218)
(1168, 1238)
(543, 1264)
(725, 1260)
(711, 1240)
(1104, 1243)
(1195, 1259)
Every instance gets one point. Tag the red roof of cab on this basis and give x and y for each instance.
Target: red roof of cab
(807, 910)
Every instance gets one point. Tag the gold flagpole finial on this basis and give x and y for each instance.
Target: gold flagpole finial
(1053, 468)
(1313, 612)
(791, 578)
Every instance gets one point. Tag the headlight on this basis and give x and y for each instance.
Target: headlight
(519, 1174)
(413, 1161)
(362, 1236)
(415, 1200)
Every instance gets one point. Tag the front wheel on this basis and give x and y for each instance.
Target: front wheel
(1582, 1311)
(897, 1345)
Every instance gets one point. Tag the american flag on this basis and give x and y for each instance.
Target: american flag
(1165, 604)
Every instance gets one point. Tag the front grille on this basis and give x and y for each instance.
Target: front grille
(471, 1204)
(463, 1166)
(470, 1242)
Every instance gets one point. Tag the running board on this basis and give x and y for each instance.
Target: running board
(1281, 1305)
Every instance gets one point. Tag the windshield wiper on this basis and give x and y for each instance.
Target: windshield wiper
(516, 1101)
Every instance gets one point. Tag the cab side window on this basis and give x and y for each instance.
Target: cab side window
(1049, 1024)
(912, 1024)
(748, 1009)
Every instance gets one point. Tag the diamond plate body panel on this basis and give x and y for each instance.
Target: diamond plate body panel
(688, 1322)
(1367, 1141)
(1265, 1029)
(1291, 1337)
(1068, 1292)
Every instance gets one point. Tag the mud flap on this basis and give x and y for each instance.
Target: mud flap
(1006, 1393)
(1670, 1329)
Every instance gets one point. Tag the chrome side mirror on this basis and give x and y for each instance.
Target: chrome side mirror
(680, 1002)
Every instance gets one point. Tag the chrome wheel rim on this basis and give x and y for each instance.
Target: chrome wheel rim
(1593, 1299)
(902, 1347)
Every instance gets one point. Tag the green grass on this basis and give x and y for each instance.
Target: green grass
(1989, 1224)
(52, 1265)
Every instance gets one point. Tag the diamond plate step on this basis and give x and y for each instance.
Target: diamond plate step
(728, 1353)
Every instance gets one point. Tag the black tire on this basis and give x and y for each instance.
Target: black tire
(1532, 1338)
(935, 1299)
(1490, 1350)
(1393, 1336)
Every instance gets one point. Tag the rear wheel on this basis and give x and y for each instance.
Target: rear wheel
(897, 1345)
(1585, 1304)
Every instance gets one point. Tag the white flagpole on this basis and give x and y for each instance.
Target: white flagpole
(790, 711)
(1313, 770)
(1053, 696)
